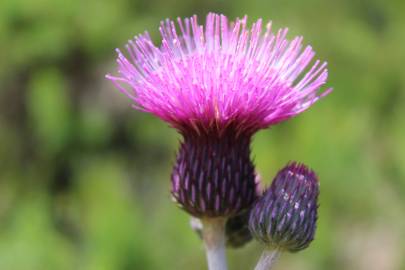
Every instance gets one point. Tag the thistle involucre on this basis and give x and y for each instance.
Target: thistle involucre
(285, 216)
(218, 85)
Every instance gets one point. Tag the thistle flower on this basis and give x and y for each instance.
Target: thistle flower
(218, 85)
(285, 216)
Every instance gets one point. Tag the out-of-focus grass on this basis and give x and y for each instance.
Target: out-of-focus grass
(84, 179)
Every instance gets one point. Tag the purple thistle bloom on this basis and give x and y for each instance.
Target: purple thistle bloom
(225, 74)
(285, 216)
(218, 85)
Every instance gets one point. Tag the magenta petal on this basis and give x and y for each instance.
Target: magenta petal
(219, 74)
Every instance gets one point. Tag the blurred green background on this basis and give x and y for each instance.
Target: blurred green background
(84, 179)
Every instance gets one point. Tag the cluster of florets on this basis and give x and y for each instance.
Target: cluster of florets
(208, 78)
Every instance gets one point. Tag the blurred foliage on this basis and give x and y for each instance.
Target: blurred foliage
(84, 178)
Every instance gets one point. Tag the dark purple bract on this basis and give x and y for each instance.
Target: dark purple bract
(285, 216)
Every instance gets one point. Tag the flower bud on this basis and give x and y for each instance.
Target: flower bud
(285, 216)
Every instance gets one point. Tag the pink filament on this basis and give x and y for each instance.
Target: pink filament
(220, 74)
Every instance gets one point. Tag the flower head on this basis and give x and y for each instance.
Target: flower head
(218, 85)
(285, 216)
(207, 78)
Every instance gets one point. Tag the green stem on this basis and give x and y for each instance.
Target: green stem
(214, 240)
(267, 260)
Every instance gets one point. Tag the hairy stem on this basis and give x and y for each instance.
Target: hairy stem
(267, 259)
(214, 240)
